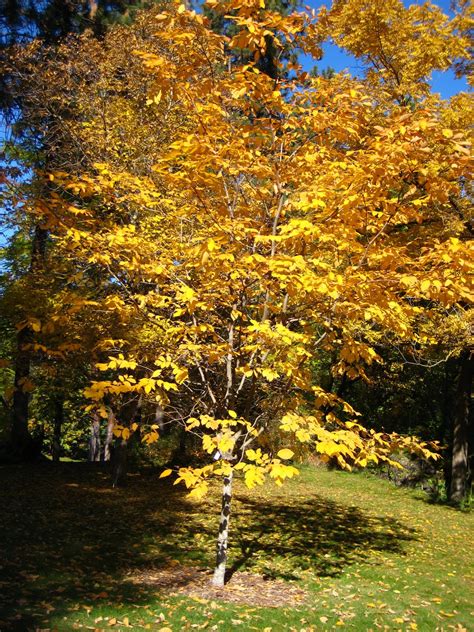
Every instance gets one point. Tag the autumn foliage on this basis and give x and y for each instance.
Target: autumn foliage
(237, 225)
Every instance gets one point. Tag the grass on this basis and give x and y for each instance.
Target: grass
(369, 555)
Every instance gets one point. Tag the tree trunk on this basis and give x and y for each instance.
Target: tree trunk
(119, 470)
(159, 419)
(109, 437)
(222, 539)
(94, 441)
(460, 450)
(58, 424)
(446, 427)
(20, 436)
(129, 411)
(22, 443)
(93, 6)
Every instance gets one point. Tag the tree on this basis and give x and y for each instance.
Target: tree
(271, 58)
(281, 219)
(400, 47)
(37, 145)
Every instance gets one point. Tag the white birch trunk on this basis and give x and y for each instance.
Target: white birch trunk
(222, 539)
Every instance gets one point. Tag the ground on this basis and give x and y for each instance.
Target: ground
(329, 550)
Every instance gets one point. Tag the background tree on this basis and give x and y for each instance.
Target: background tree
(399, 48)
(33, 140)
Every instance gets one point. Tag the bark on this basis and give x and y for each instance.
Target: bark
(223, 537)
(94, 441)
(159, 418)
(109, 437)
(93, 7)
(20, 436)
(461, 426)
(179, 454)
(58, 424)
(22, 443)
(130, 411)
(38, 248)
(447, 413)
(119, 470)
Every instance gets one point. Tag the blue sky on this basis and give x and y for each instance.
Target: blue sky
(443, 82)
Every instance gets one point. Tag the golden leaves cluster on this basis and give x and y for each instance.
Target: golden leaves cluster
(267, 220)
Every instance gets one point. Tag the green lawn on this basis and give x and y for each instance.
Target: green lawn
(354, 552)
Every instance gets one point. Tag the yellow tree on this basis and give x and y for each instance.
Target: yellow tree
(273, 226)
(400, 47)
(108, 123)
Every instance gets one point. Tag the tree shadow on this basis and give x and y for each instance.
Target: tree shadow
(70, 542)
(68, 538)
(316, 534)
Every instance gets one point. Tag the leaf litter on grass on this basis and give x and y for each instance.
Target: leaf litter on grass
(244, 588)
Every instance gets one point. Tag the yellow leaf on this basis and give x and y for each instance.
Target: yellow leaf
(165, 473)
(198, 492)
(181, 375)
(181, 8)
(285, 453)
(327, 447)
(254, 476)
(225, 444)
(232, 414)
(269, 374)
(448, 133)
(211, 245)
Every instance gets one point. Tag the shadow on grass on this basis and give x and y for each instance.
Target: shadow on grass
(70, 542)
(316, 534)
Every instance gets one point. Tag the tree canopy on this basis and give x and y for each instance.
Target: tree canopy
(214, 229)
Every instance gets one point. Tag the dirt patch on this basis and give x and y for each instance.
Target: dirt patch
(243, 588)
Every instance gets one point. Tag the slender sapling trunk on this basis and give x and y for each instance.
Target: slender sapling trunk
(94, 441)
(58, 424)
(109, 437)
(218, 578)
